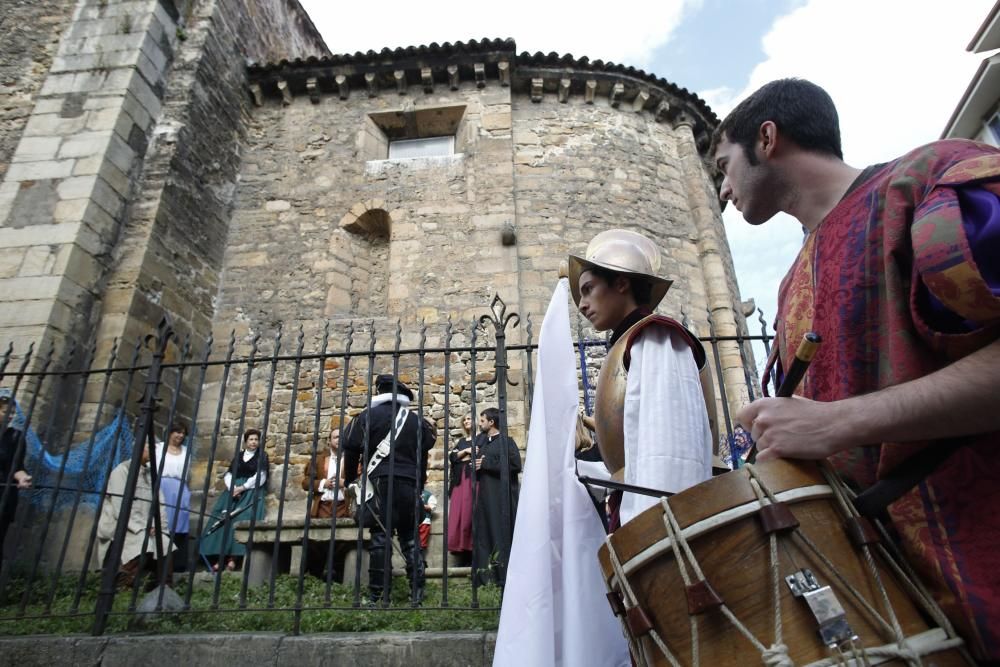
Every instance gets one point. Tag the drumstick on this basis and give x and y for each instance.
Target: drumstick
(622, 486)
(803, 356)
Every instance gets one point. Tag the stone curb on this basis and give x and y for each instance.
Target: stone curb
(374, 649)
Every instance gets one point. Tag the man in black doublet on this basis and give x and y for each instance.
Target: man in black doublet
(405, 465)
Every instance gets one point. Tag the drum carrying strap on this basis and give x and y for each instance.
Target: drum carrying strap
(874, 500)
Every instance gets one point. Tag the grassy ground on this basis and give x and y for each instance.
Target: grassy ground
(257, 614)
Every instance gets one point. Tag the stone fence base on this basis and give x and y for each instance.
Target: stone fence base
(374, 649)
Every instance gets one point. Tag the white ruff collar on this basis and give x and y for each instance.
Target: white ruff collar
(401, 400)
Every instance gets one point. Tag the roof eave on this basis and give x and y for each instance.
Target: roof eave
(987, 37)
(979, 99)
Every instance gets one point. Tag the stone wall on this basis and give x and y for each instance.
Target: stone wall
(535, 177)
(114, 210)
(306, 182)
(170, 258)
(29, 33)
(79, 203)
(581, 169)
(325, 227)
(382, 649)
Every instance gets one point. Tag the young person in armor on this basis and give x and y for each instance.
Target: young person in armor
(650, 416)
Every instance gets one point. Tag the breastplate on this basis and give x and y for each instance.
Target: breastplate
(609, 406)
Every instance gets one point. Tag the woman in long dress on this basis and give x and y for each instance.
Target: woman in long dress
(171, 465)
(460, 497)
(246, 486)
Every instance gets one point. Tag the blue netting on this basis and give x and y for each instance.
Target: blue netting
(82, 472)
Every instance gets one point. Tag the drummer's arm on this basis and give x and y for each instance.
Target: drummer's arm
(959, 399)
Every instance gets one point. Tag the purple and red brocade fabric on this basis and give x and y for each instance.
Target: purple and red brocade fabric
(901, 279)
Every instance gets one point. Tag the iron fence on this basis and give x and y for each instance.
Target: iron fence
(292, 562)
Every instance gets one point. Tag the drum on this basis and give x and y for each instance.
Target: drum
(764, 565)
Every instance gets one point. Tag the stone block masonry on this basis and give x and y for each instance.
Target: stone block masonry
(152, 172)
(444, 649)
(29, 35)
(541, 166)
(79, 152)
(116, 181)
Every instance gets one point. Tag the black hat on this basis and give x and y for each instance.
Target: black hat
(383, 384)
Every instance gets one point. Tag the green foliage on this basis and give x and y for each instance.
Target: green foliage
(257, 613)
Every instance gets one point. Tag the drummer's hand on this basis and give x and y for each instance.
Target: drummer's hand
(796, 428)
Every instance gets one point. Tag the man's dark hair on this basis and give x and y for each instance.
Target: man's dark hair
(492, 415)
(178, 427)
(801, 110)
(641, 290)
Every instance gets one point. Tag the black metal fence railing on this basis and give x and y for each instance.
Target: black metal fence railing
(97, 528)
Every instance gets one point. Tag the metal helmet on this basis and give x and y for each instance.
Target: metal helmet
(625, 252)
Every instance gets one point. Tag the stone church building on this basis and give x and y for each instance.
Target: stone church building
(213, 161)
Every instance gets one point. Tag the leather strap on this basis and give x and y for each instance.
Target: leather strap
(873, 501)
(382, 449)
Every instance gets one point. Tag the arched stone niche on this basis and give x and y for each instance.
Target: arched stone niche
(361, 244)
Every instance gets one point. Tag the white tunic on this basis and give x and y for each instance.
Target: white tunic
(668, 442)
(173, 464)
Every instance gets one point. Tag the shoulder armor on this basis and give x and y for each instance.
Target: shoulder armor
(609, 404)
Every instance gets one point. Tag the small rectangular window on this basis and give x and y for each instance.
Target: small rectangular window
(427, 147)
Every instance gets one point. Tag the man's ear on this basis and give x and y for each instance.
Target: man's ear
(622, 284)
(767, 138)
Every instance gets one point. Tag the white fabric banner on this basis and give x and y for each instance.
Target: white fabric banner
(554, 609)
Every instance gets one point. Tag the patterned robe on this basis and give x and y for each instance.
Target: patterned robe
(901, 279)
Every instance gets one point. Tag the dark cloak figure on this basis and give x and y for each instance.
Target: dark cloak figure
(493, 535)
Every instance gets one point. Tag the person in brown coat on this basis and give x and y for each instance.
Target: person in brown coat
(327, 488)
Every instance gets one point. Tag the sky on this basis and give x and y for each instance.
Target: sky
(895, 68)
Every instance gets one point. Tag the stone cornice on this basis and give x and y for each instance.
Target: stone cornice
(422, 69)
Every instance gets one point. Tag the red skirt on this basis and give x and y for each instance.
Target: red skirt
(460, 517)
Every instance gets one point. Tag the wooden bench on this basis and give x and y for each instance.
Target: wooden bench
(266, 533)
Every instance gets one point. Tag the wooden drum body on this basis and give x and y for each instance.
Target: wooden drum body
(721, 523)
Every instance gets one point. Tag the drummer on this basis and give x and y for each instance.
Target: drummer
(900, 275)
(651, 421)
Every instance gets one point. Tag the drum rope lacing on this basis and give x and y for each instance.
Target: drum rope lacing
(635, 644)
(901, 649)
(891, 555)
(910, 656)
(893, 629)
(889, 550)
(777, 654)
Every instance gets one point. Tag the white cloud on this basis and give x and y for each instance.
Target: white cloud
(627, 33)
(896, 70)
(720, 99)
